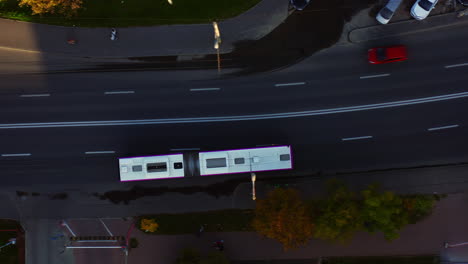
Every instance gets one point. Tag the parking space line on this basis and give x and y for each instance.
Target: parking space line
(17, 155)
(204, 89)
(374, 76)
(34, 95)
(99, 152)
(289, 84)
(455, 65)
(105, 226)
(356, 138)
(119, 92)
(442, 127)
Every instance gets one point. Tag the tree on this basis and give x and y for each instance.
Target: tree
(285, 217)
(418, 206)
(383, 212)
(148, 225)
(188, 256)
(339, 215)
(215, 258)
(64, 7)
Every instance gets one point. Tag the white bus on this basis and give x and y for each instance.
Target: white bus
(205, 163)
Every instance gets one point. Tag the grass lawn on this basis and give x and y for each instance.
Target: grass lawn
(114, 13)
(384, 260)
(189, 223)
(8, 254)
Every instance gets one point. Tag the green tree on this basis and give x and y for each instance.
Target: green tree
(285, 217)
(383, 211)
(418, 206)
(188, 256)
(215, 258)
(338, 216)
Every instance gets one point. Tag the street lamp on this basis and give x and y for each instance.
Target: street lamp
(217, 38)
(253, 177)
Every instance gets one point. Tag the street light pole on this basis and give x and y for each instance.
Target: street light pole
(253, 177)
(217, 37)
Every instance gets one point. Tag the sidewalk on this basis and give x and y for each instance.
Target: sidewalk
(169, 40)
(448, 223)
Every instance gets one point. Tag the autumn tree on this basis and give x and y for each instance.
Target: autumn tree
(148, 225)
(338, 216)
(285, 217)
(63, 7)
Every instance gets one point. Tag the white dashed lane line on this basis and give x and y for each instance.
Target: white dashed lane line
(442, 127)
(374, 76)
(17, 155)
(119, 92)
(356, 138)
(204, 89)
(456, 65)
(289, 84)
(34, 95)
(99, 152)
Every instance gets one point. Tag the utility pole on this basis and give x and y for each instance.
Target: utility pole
(253, 177)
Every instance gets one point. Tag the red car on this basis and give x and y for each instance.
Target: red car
(387, 54)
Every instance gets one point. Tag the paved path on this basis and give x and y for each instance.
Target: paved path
(145, 41)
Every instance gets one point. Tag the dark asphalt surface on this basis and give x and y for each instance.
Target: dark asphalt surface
(332, 79)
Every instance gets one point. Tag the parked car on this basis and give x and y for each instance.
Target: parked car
(299, 4)
(463, 2)
(386, 13)
(422, 8)
(382, 55)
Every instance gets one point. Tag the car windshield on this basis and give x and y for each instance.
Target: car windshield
(381, 54)
(386, 13)
(425, 4)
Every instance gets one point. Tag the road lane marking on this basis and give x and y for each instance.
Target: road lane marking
(34, 95)
(374, 76)
(356, 138)
(214, 119)
(442, 127)
(182, 149)
(289, 84)
(17, 155)
(99, 152)
(120, 92)
(204, 89)
(456, 65)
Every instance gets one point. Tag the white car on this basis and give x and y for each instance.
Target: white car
(387, 12)
(422, 8)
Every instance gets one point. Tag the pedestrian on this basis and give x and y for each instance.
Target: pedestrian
(219, 245)
(201, 230)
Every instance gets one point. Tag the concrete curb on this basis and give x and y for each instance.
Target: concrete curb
(405, 27)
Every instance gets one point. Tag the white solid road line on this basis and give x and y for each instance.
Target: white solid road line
(442, 127)
(182, 149)
(99, 152)
(34, 95)
(356, 138)
(204, 89)
(120, 92)
(289, 84)
(213, 119)
(456, 65)
(374, 76)
(17, 155)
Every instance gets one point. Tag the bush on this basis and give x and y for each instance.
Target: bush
(133, 242)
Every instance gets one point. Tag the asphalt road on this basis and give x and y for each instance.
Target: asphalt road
(403, 135)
